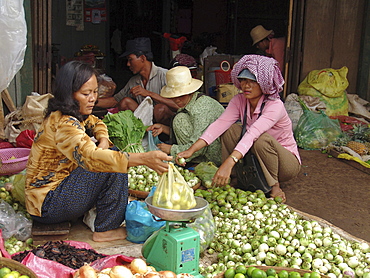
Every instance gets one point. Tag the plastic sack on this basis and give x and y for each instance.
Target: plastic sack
(316, 130)
(25, 138)
(330, 86)
(152, 142)
(205, 171)
(140, 223)
(13, 37)
(106, 86)
(29, 116)
(206, 227)
(173, 192)
(14, 223)
(45, 268)
(144, 112)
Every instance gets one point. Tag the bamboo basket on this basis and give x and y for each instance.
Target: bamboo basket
(14, 265)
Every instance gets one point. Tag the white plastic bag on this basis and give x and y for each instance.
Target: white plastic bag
(144, 112)
(13, 37)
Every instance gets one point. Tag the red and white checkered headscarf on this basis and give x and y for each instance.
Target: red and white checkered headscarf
(267, 73)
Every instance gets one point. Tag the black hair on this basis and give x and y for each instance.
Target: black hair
(69, 80)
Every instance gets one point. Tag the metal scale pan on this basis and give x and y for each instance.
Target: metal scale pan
(188, 215)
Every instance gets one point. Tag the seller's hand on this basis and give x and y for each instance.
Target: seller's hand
(140, 91)
(155, 160)
(222, 176)
(103, 143)
(184, 154)
(156, 129)
(164, 147)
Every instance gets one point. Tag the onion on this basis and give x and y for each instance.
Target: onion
(120, 271)
(348, 274)
(139, 266)
(152, 275)
(86, 271)
(167, 274)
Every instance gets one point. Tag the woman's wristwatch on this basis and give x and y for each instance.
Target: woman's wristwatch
(234, 158)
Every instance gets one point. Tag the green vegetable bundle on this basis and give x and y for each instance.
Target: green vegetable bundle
(126, 131)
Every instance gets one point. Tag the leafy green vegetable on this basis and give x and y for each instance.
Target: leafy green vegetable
(126, 131)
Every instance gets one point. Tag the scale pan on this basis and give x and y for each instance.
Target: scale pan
(176, 214)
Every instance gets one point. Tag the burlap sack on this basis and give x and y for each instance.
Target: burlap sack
(29, 116)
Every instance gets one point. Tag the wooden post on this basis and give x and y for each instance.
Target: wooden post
(5, 96)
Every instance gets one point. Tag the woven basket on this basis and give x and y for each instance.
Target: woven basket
(13, 166)
(14, 265)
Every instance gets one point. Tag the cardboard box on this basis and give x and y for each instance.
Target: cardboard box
(225, 92)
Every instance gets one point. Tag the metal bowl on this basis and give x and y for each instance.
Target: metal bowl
(178, 214)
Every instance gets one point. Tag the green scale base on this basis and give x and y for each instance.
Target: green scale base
(174, 247)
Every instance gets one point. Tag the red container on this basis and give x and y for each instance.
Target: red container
(222, 76)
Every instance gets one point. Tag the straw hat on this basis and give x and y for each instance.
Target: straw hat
(258, 33)
(180, 82)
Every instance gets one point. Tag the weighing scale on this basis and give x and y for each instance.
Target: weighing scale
(175, 246)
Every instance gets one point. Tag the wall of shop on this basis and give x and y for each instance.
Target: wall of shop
(332, 37)
(69, 40)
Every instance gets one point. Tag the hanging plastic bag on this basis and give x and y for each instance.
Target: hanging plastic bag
(173, 192)
(144, 112)
(152, 142)
(13, 37)
(316, 130)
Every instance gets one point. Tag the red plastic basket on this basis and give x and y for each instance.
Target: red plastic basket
(222, 76)
(11, 165)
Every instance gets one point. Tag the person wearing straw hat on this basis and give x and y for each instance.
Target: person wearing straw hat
(196, 113)
(268, 45)
(269, 129)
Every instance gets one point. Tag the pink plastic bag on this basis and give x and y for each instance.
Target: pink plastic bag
(44, 268)
(3, 252)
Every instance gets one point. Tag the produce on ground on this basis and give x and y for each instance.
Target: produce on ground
(242, 271)
(254, 230)
(137, 268)
(126, 131)
(13, 245)
(143, 178)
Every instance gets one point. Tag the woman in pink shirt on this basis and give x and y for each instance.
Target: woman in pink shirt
(269, 132)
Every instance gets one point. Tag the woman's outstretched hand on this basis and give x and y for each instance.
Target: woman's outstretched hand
(156, 160)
